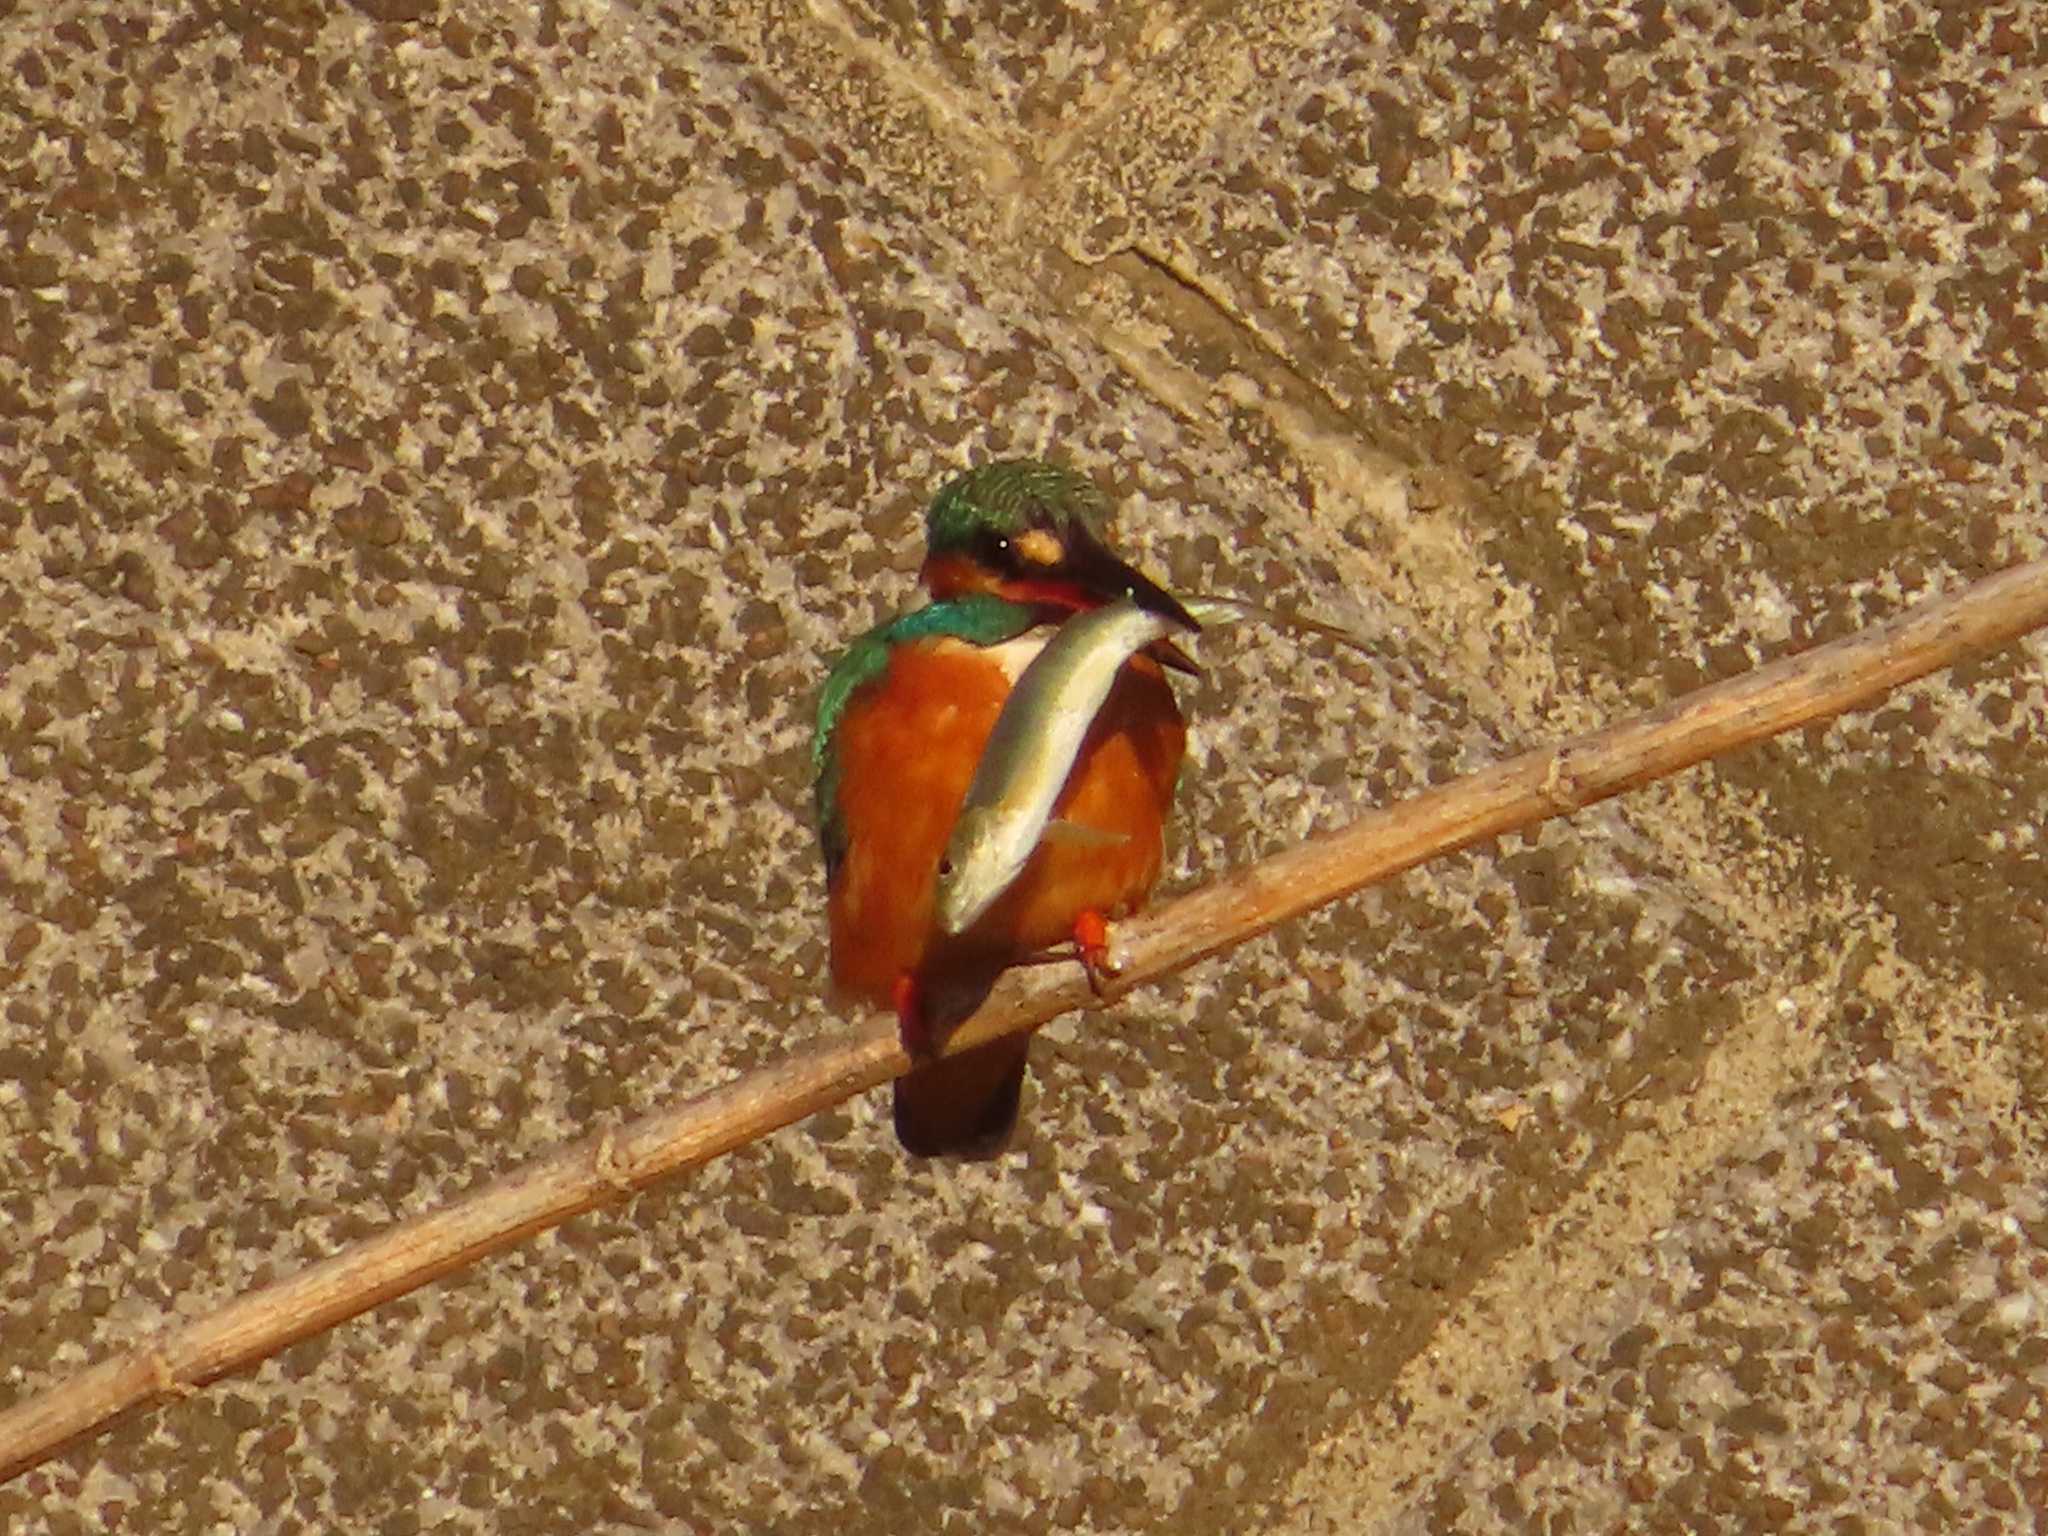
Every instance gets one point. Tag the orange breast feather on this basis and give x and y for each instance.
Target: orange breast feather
(909, 743)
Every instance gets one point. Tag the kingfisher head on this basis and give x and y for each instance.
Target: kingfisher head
(1034, 533)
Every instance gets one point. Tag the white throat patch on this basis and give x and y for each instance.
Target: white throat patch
(1013, 656)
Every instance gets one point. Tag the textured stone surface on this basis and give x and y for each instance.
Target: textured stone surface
(1031, 68)
(438, 446)
(1729, 322)
(1843, 1328)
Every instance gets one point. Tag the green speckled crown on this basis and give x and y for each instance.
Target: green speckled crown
(1010, 494)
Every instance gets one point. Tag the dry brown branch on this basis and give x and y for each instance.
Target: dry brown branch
(604, 1168)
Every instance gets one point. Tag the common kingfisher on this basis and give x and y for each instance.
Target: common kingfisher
(1012, 548)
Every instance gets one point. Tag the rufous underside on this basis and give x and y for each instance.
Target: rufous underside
(909, 744)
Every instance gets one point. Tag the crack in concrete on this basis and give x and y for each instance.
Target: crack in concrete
(947, 105)
(1577, 1257)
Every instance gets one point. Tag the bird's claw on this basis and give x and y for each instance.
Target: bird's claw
(913, 1029)
(1091, 944)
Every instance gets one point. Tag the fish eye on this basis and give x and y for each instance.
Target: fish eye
(945, 867)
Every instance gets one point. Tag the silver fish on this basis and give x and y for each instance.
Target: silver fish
(1038, 735)
(1210, 612)
(1031, 751)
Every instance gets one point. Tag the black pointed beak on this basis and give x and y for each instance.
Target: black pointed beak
(1091, 567)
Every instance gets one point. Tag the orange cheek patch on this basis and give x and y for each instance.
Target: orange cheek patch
(947, 576)
(1039, 547)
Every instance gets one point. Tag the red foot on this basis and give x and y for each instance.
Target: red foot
(912, 1028)
(1091, 938)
